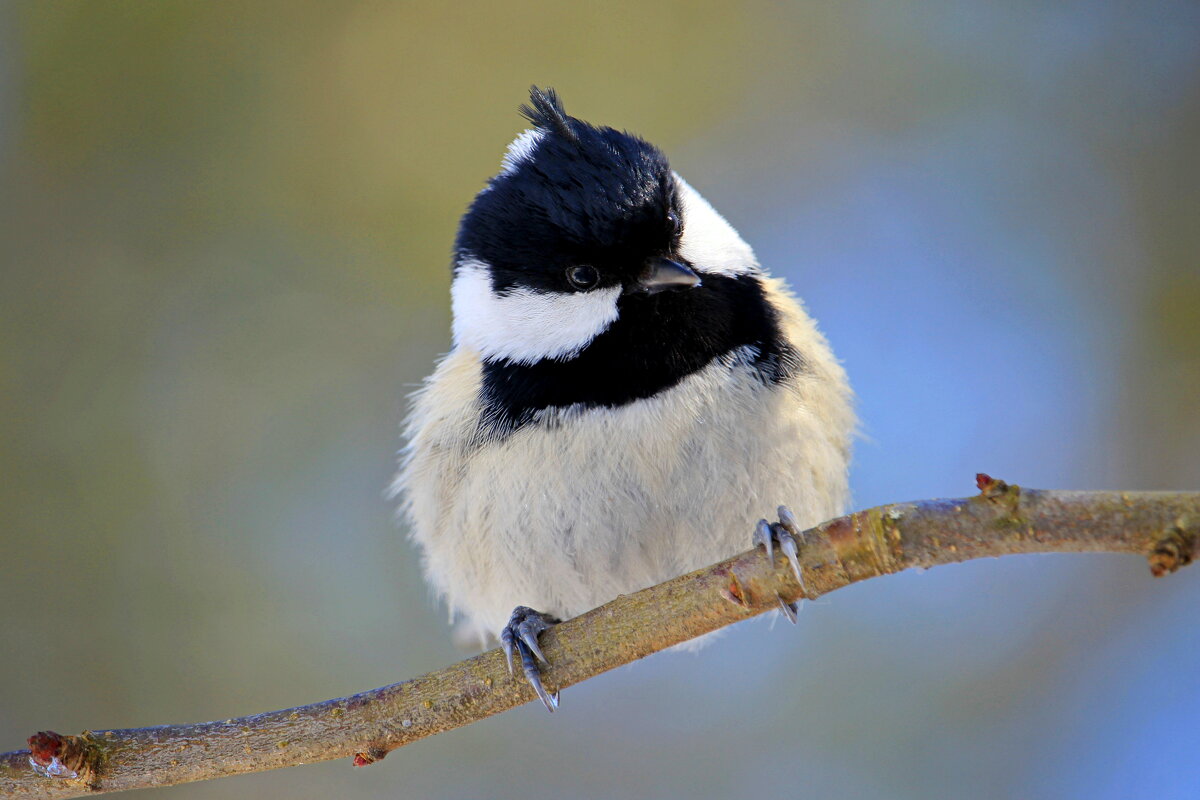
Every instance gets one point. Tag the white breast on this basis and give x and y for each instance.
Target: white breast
(564, 516)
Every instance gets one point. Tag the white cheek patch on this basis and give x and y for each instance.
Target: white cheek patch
(709, 243)
(520, 150)
(523, 326)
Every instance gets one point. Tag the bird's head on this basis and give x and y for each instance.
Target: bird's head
(582, 226)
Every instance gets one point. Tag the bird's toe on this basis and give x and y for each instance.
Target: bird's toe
(521, 635)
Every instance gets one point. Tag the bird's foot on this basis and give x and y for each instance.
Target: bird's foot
(521, 633)
(788, 535)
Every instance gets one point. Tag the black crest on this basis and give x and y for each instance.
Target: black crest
(581, 194)
(547, 113)
(592, 195)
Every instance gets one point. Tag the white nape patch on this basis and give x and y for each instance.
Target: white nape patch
(520, 150)
(709, 243)
(524, 326)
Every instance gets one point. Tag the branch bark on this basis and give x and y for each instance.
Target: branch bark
(1163, 527)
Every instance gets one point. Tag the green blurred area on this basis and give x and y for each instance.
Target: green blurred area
(225, 231)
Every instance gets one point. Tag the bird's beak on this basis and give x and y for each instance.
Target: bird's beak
(662, 274)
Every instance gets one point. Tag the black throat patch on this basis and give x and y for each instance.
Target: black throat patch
(656, 341)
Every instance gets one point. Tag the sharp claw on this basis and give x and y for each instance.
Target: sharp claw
(762, 535)
(521, 633)
(789, 609)
(535, 680)
(788, 520)
(506, 643)
(529, 637)
(529, 629)
(550, 702)
(788, 534)
(787, 543)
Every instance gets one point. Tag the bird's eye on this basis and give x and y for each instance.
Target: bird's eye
(583, 276)
(675, 223)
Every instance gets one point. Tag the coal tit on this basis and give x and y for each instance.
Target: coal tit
(627, 390)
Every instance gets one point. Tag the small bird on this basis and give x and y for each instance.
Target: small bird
(626, 390)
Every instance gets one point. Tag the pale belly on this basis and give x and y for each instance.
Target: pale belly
(566, 516)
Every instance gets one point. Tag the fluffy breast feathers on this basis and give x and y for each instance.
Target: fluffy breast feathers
(590, 503)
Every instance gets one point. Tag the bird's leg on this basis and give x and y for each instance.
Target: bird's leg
(521, 633)
(788, 535)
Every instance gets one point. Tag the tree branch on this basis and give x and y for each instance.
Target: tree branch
(1161, 526)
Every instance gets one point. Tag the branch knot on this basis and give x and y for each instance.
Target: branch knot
(1176, 548)
(77, 758)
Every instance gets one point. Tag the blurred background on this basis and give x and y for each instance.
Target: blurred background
(224, 245)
